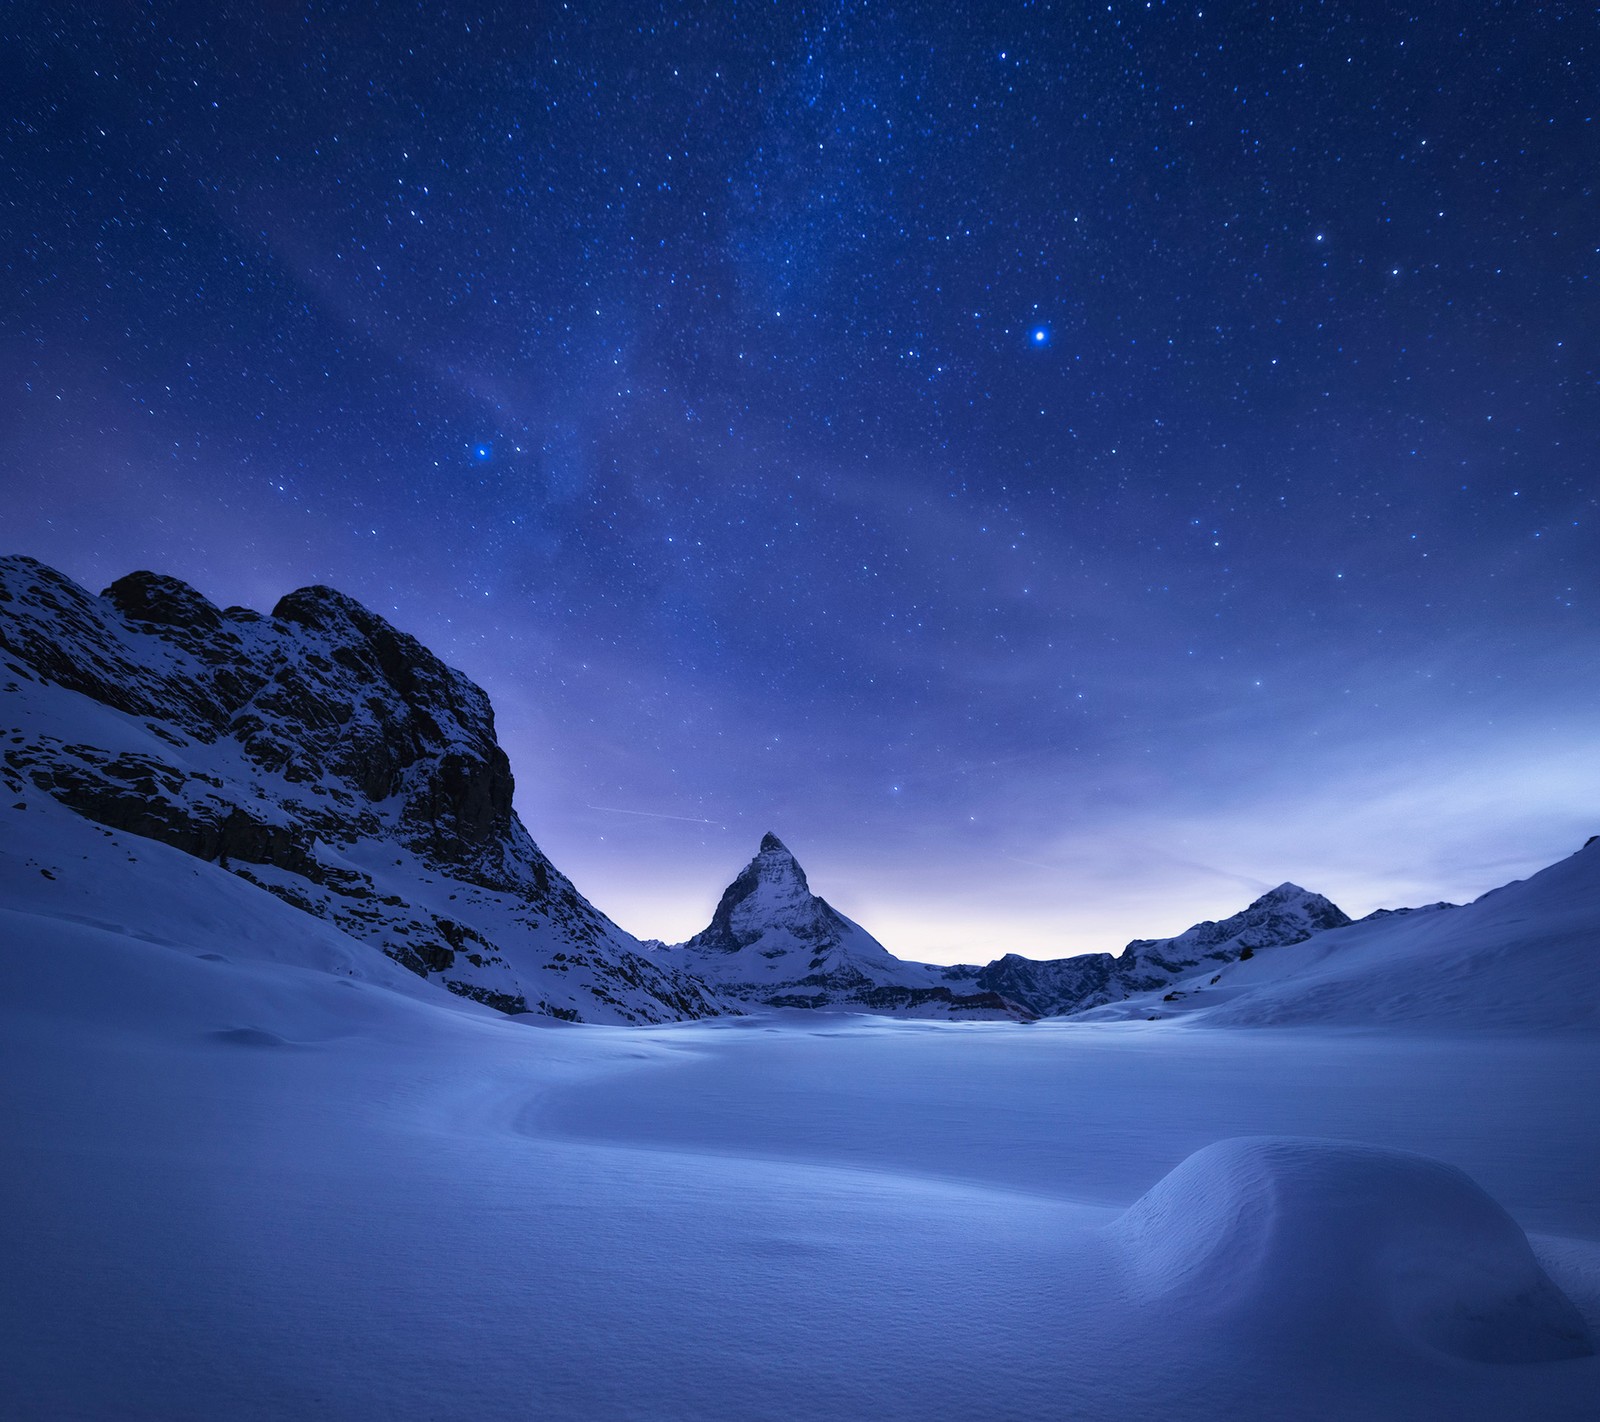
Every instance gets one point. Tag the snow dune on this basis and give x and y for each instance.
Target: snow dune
(253, 1170)
(1305, 1240)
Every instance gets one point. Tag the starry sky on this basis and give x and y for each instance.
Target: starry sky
(1065, 468)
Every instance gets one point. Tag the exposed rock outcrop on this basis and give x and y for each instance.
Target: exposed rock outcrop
(328, 757)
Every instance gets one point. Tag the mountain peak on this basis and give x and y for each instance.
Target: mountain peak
(771, 890)
(328, 610)
(163, 600)
(1286, 893)
(772, 940)
(325, 757)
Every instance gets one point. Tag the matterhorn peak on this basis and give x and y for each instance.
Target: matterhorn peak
(1289, 892)
(773, 941)
(774, 864)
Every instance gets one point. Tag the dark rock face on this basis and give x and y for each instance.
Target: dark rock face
(1043, 986)
(163, 601)
(413, 727)
(284, 742)
(354, 708)
(147, 797)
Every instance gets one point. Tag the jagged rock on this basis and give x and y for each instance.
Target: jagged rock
(1043, 986)
(332, 760)
(156, 598)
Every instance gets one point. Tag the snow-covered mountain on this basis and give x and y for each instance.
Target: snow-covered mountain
(320, 756)
(1522, 957)
(771, 940)
(327, 759)
(1061, 986)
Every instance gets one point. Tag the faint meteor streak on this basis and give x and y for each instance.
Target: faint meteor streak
(656, 815)
(1031, 863)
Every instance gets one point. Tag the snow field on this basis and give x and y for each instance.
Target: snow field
(253, 1170)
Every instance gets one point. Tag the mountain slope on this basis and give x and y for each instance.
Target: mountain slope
(772, 941)
(328, 759)
(1525, 956)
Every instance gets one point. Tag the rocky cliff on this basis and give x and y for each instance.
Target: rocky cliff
(324, 756)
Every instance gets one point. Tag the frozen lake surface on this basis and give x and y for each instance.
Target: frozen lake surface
(250, 1190)
(1098, 1114)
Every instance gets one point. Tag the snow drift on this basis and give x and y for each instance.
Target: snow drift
(1300, 1240)
(254, 1169)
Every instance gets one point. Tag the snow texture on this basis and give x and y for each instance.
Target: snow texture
(1523, 958)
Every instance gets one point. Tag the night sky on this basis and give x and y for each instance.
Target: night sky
(1064, 468)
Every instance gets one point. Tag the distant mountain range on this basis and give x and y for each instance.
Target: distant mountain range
(773, 941)
(335, 763)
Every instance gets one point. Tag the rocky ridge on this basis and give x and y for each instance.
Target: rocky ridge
(333, 761)
(326, 757)
(1065, 986)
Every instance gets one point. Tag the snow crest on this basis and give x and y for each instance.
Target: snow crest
(1059, 987)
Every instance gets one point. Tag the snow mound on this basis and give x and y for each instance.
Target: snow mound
(251, 1037)
(1302, 1239)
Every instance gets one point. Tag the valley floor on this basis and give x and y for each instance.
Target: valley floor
(236, 1188)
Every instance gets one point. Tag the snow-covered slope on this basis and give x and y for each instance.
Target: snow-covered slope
(1524, 956)
(771, 940)
(1054, 987)
(321, 756)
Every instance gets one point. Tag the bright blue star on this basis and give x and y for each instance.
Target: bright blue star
(1039, 336)
(482, 453)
